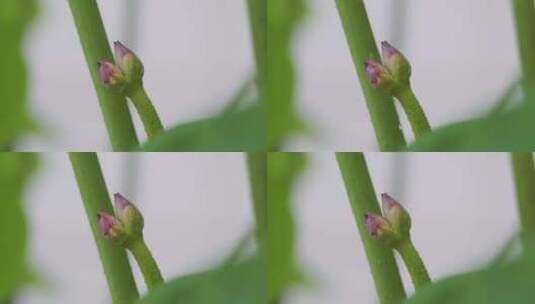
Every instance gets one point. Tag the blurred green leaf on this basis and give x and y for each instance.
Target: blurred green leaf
(15, 169)
(283, 171)
(15, 17)
(283, 19)
(508, 126)
(509, 283)
(238, 283)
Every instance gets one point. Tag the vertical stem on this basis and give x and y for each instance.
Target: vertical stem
(362, 45)
(524, 12)
(415, 114)
(257, 167)
(524, 176)
(95, 197)
(362, 197)
(96, 47)
(146, 111)
(147, 264)
(415, 265)
(258, 21)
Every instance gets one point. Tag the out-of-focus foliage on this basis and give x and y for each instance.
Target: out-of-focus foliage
(15, 17)
(15, 169)
(283, 20)
(509, 129)
(283, 172)
(238, 128)
(511, 282)
(241, 282)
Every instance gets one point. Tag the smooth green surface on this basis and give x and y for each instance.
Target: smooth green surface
(239, 283)
(258, 21)
(146, 111)
(284, 18)
(362, 45)
(510, 283)
(362, 197)
(416, 115)
(96, 199)
(15, 169)
(241, 129)
(524, 15)
(524, 177)
(149, 268)
(95, 45)
(414, 264)
(15, 120)
(284, 170)
(257, 169)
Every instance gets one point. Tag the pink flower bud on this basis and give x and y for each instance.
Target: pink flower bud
(396, 63)
(109, 225)
(129, 215)
(110, 75)
(396, 215)
(120, 202)
(375, 224)
(129, 63)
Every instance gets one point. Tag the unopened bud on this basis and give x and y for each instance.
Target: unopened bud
(380, 229)
(129, 215)
(396, 215)
(111, 76)
(129, 63)
(111, 227)
(396, 63)
(379, 75)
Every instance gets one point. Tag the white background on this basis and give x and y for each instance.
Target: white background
(463, 55)
(196, 54)
(462, 206)
(196, 207)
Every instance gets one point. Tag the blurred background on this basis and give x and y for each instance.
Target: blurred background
(196, 207)
(196, 55)
(463, 55)
(463, 210)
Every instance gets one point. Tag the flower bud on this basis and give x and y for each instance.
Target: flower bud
(129, 63)
(111, 76)
(396, 63)
(379, 75)
(129, 216)
(381, 229)
(396, 215)
(112, 228)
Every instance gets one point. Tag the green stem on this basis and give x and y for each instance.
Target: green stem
(415, 114)
(524, 175)
(95, 197)
(96, 47)
(257, 167)
(146, 111)
(258, 21)
(362, 45)
(414, 264)
(524, 12)
(362, 198)
(147, 263)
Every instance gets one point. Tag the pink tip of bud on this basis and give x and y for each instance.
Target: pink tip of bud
(107, 71)
(121, 50)
(106, 222)
(120, 202)
(388, 202)
(375, 71)
(388, 50)
(374, 223)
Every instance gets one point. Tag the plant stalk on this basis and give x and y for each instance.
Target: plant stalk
(524, 13)
(414, 263)
(95, 197)
(362, 45)
(258, 20)
(524, 177)
(362, 198)
(95, 45)
(149, 268)
(257, 168)
(415, 114)
(146, 110)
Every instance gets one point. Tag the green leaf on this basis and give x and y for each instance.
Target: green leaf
(14, 171)
(509, 283)
(239, 283)
(283, 172)
(15, 17)
(283, 19)
(235, 130)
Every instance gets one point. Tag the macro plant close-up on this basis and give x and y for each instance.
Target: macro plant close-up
(267, 151)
